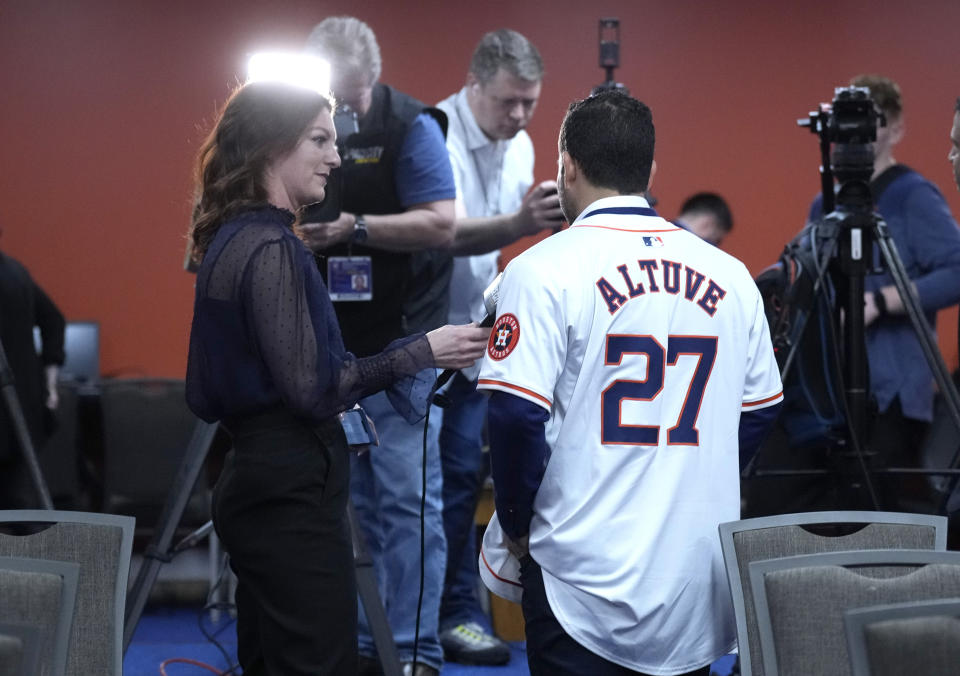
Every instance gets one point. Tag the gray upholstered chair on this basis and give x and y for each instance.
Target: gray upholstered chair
(23, 657)
(921, 637)
(800, 600)
(101, 545)
(11, 656)
(37, 601)
(789, 535)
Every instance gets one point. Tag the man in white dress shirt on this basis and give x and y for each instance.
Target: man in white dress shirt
(492, 159)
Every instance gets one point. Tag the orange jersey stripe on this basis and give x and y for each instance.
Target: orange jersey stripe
(761, 401)
(607, 227)
(487, 381)
(502, 579)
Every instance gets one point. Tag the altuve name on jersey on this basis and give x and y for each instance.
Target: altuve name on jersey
(661, 276)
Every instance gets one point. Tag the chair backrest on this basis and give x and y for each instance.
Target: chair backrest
(102, 545)
(921, 637)
(147, 427)
(772, 537)
(11, 656)
(37, 602)
(800, 600)
(24, 657)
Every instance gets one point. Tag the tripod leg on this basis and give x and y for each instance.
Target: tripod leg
(927, 343)
(159, 549)
(372, 605)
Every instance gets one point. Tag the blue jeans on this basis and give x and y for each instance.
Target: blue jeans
(385, 487)
(462, 460)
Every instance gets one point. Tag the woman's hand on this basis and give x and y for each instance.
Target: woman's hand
(456, 347)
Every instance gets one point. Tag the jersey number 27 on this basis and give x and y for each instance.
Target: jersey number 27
(684, 432)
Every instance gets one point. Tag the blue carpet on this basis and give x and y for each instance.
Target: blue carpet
(165, 633)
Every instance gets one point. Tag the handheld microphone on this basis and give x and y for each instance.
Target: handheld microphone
(491, 296)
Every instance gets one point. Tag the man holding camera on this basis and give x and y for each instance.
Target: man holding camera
(928, 241)
(396, 222)
(492, 158)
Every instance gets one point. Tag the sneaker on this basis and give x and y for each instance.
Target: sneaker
(468, 643)
(421, 670)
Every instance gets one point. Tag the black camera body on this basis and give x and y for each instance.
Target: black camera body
(850, 123)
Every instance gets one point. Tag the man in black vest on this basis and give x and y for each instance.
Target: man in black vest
(388, 274)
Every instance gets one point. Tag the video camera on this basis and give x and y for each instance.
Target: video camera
(850, 123)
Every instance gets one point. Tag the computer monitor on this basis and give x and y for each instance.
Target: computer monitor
(82, 349)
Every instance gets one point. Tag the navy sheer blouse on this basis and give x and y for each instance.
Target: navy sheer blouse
(265, 335)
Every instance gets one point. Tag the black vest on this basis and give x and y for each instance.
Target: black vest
(409, 289)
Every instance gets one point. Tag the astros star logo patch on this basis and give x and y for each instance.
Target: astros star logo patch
(504, 336)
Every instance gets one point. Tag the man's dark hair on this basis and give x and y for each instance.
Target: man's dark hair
(610, 136)
(956, 107)
(709, 203)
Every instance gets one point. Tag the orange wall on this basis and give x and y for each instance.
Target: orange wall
(105, 103)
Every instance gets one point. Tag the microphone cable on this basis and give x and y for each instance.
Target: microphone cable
(423, 505)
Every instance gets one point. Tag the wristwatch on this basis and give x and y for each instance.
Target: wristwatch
(359, 230)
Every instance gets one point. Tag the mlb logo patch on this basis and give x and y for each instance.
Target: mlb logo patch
(503, 337)
(652, 241)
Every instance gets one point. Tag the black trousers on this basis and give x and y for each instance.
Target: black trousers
(280, 510)
(550, 650)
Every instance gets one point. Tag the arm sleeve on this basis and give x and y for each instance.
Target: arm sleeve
(754, 427)
(762, 386)
(298, 340)
(935, 243)
(518, 458)
(52, 325)
(534, 340)
(423, 167)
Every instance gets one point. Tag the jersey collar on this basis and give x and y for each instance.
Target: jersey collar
(620, 212)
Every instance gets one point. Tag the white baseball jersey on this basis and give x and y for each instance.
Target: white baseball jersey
(644, 343)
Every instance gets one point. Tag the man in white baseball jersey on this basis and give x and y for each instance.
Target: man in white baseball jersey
(629, 368)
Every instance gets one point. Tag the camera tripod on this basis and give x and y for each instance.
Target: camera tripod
(846, 240)
(160, 551)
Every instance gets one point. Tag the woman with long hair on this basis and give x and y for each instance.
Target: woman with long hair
(267, 361)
